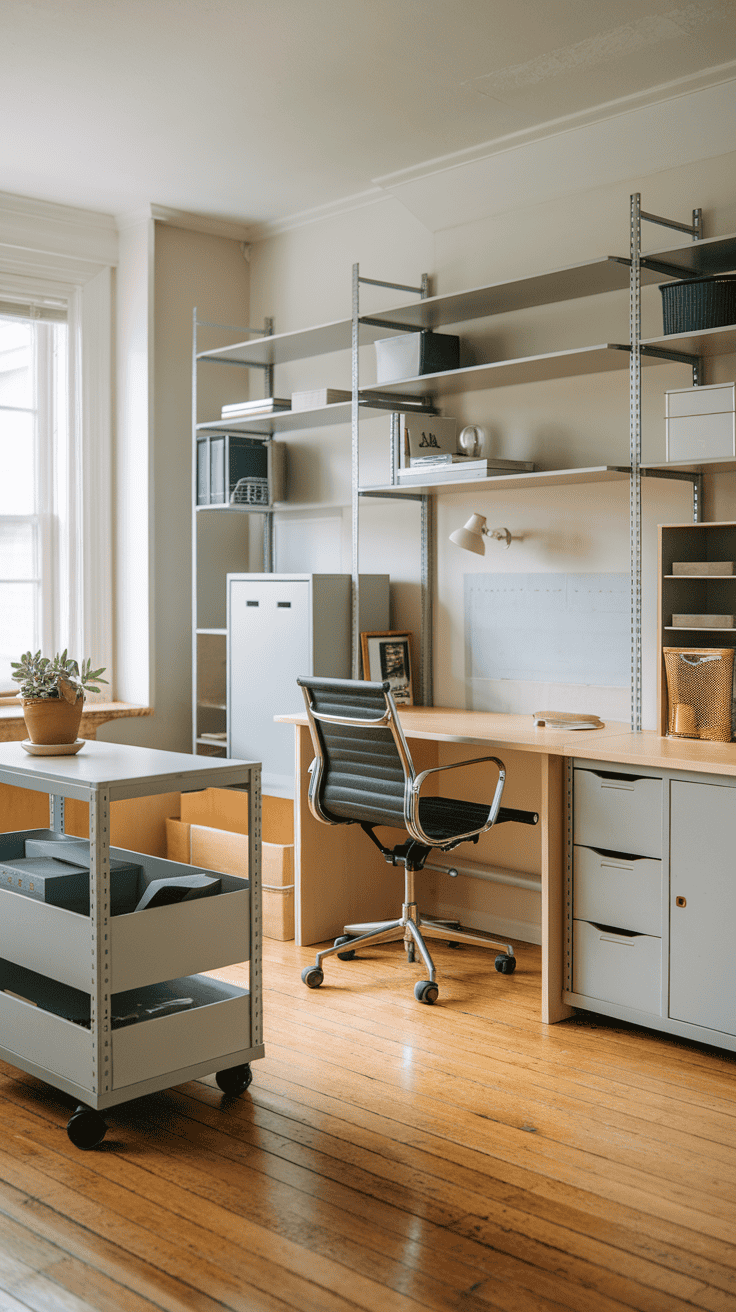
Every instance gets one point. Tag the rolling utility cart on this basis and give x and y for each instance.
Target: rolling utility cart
(112, 1004)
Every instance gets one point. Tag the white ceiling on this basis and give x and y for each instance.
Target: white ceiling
(257, 111)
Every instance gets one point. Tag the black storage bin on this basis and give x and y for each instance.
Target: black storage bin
(232, 469)
(438, 352)
(696, 303)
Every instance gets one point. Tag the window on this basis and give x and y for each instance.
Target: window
(33, 450)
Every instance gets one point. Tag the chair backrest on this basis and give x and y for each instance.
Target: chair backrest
(363, 763)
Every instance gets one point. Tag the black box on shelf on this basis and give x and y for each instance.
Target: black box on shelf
(65, 882)
(232, 469)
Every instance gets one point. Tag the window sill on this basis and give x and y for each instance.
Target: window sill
(13, 726)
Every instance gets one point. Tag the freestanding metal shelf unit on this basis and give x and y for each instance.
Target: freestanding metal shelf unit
(78, 969)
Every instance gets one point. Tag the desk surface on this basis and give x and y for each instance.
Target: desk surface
(614, 742)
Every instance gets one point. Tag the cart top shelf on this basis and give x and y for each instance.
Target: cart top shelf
(119, 770)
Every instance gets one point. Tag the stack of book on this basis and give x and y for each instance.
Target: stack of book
(439, 469)
(319, 397)
(267, 405)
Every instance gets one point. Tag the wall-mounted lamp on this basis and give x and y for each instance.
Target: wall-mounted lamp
(472, 534)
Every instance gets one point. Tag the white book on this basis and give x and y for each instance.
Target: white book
(264, 405)
(319, 397)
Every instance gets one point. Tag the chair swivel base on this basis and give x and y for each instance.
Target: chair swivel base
(412, 929)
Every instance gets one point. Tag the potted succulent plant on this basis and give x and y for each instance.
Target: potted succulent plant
(52, 692)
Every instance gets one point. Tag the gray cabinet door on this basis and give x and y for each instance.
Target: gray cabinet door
(270, 645)
(703, 873)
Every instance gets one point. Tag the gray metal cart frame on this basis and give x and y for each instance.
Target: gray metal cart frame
(103, 955)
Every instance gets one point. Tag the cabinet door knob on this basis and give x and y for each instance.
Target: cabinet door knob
(680, 901)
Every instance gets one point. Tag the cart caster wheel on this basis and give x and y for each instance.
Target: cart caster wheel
(312, 976)
(425, 991)
(505, 965)
(235, 1079)
(341, 956)
(86, 1128)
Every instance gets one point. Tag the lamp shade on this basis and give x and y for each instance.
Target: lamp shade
(470, 536)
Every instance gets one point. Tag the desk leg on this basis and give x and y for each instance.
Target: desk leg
(553, 888)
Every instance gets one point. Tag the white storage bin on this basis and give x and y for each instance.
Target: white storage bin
(700, 423)
(625, 969)
(617, 890)
(618, 812)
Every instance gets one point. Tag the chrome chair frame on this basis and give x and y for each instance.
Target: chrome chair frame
(411, 926)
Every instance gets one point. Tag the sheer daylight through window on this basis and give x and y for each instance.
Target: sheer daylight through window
(33, 453)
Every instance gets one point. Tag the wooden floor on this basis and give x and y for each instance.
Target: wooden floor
(390, 1156)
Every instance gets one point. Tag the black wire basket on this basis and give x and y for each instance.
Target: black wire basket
(697, 303)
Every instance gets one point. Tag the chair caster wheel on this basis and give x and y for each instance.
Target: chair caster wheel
(343, 956)
(505, 965)
(235, 1079)
(312, 976)
(410, 953)
(453, 944)
(426, 991)
(86, 1128)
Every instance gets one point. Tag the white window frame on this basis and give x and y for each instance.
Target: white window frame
(28, 273)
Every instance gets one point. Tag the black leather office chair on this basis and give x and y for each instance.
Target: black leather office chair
(363, 774)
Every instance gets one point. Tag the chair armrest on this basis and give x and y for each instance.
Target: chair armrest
(412, 807)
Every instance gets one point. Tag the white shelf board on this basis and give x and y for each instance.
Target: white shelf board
(716, 465)
(280, 348)
(698, 628)
(711, 255)
(218, 633)
(504, 373)
(284, 421)
(504, 482)
(709, 341)
(606, 274)
(680, 577)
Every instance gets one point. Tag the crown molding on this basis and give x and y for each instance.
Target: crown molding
(319, 214)
(205, 223)
(662, 134)
(37, 232)
(662, 128)
(666, 91)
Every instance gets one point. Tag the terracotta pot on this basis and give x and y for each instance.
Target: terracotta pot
(52, 719)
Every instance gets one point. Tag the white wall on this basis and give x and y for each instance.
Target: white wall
(187, 269)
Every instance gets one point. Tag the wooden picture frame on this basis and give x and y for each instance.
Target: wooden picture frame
(388, 656)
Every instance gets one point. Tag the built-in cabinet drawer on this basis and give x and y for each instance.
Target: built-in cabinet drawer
(612, 889)
(618, 812)
(622, 968)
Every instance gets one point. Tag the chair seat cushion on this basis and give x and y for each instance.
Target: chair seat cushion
(445, 817)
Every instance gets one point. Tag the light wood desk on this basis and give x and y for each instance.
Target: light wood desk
(337, 879)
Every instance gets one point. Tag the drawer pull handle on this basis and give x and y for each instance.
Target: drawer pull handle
(680, 901)
(622, 788)
(612, 865)
(622, 942)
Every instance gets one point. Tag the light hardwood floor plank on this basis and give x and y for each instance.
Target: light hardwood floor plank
(390, 1157)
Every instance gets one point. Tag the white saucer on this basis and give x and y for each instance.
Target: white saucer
(53, 749)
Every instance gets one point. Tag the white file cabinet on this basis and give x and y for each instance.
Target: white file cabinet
(617, 888)
(67, 978)
(652, 899)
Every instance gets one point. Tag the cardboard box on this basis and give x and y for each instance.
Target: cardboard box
(223, 847)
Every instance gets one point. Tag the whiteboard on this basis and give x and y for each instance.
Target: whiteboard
(548, 628)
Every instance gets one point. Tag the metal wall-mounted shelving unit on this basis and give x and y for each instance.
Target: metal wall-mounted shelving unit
(612, 273)
(264, 350)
